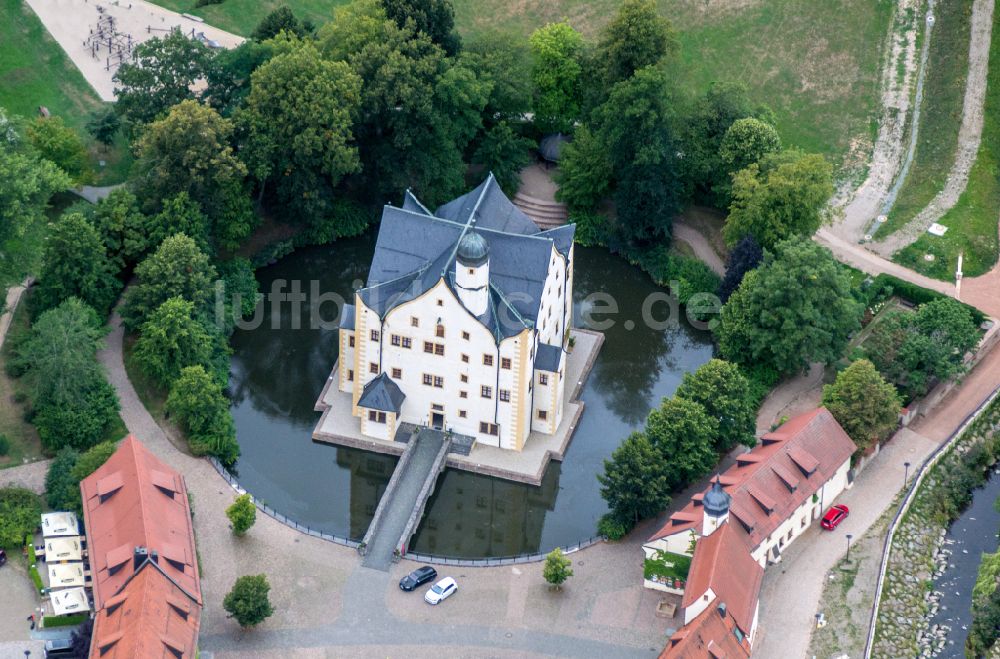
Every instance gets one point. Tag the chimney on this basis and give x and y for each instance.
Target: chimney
(139, 557)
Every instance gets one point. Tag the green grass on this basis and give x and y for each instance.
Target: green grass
(940, 115)
(34, 71)
(972, 223)
(815, 63)
(24, 443)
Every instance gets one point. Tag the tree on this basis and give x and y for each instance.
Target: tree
(724, 393)
(248, 601)
(556, 49)
(634, 483)
(228, 80)
(180, 214)
(176, 269)
(557, 568)
(795, 309)
(744, 257)
(103, 125)
(196, 400)
(122, 227)
(505, 153)
(76, 264)
(784, 196)
(82, 421)
(635, 38)
(58, 143)
(504, 63)
(19, 513)
(277, 20)
(865, 405)
(26, 185)
(435, 18)
(160, 75)
(188, 151)
(913, 350)
(93, 459)
(298, 121)
(684, 435)
(62, 491)
(746, 142)
(585, 172)
(242, 514)
(171, 339)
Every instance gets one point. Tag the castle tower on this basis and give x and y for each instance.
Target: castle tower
(716, 508)
(472, 272)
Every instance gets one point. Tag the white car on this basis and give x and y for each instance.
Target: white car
(441, 591)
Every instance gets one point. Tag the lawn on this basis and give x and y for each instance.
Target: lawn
(34, 71)
(24, 443)
(972, 223)
(940, 115)
(815, 63)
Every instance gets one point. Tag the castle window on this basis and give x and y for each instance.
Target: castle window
(438, 381)
(465, 359)
(505, 363)
(505, 395)
(377, 417)
(350, 341)
(486, 392)
(542, 415)
(428, 347)
(465, 378)
(487, 360)
(407, 342)
(543, 378)
(489, 428)
(428, 379)
(414, 321)
(350, 375)
(374, 335)
(439, 349)
(440, 303)
(463, 394)
(396, 340)
(462, 414)
(397, 374)
(373, 368)
(465, 335)
(439, 332)
(472, 271)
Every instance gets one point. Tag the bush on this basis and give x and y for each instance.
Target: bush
(36, 579)
(248, 600)
(592, 229)
(20, 512)
(4, 444)
(914, 294)
(347, 218)
(666, 267)
(242, 514)
(557, 568)
(612, 528)
(81, 423)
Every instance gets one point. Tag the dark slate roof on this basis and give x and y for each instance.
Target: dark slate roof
(547, 357)
(347, 317)
(382, 394)
(416, 249)
(473, 249)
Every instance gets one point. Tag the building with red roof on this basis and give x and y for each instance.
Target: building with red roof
(749, 514)
(140, 539)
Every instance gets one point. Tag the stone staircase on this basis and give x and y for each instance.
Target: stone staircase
(546, 214)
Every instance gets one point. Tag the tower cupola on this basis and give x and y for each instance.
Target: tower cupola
(716, 507)
(472, 271)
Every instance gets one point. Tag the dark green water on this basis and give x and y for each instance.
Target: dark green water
(278, 372)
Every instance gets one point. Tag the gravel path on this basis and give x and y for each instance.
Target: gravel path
(700, 245)
(969, 135)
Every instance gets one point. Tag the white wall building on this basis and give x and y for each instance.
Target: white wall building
(463, 323)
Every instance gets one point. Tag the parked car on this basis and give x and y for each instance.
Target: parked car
(418, 577)
(59, 647)
(441, 591)
(834, 516)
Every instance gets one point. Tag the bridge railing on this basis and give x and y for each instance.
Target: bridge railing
(502, 560)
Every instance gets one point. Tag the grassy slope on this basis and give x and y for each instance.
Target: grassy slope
(815, 63)
(972, 223)
(941, 114)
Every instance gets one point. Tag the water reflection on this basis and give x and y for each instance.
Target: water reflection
(278, 373)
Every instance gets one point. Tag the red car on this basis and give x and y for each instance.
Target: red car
(834, 516)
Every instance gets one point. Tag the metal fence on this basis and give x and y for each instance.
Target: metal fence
(284, 519)
(911, 494)
(503, 560)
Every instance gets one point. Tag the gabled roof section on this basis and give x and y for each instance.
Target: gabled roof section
(347, 317)
(780, 474)
(493, 210)
(710, 635)
(722, 563)
(562, 237)
(149, 509)
(383, 394)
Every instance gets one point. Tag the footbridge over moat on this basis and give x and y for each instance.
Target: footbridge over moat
(402, 505)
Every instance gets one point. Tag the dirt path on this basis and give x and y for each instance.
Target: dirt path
(898, 79)
(700, 245)
(969, 135)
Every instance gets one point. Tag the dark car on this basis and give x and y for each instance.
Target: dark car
(417, 578)
(835, 516)
(61, 647)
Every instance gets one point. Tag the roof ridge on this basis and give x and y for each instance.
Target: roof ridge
(418, 202)
(537, 236)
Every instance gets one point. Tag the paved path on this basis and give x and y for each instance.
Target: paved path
(791, 590)
(700, 245)
(95, 194)
(30, 476)
(11, 301)
(794, 396)
(404, 495)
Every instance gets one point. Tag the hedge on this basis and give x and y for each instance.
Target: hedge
(65, 621)
(914, 294)
(37, 578)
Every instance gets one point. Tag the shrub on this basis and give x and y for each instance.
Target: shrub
(36, 579)
(248, 600)
(4, 444)
(914, 294)
(62, 491)
(346, 218)
(242, 514)
(612, 528)
(557, 568)
(20, 511)
(592, 229)
(65, 621)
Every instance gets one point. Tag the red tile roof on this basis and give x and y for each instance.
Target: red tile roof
(709, 636)
(138, 513)
(151, 617)
(783, 471)
(722, 563)
(146, 607)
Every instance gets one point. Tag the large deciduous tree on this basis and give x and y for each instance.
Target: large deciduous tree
(298, 122)
(242, 514)
(865, 405)
(248, 601)
(724, 392)
(435, 18)
(505, 153)
(685, 437)
(122, 227)
(795, 309)
(171, 339)
(556, 49)
(76, 264)
(634, 483)
(783, 196)
(27, 182)
(635, 38)
(585, 171)
(60, 144)
(189, 151)
(159, 76)
(743, 258)
(504, 62)
(277, 20)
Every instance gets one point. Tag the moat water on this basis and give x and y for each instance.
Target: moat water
(278, 370)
